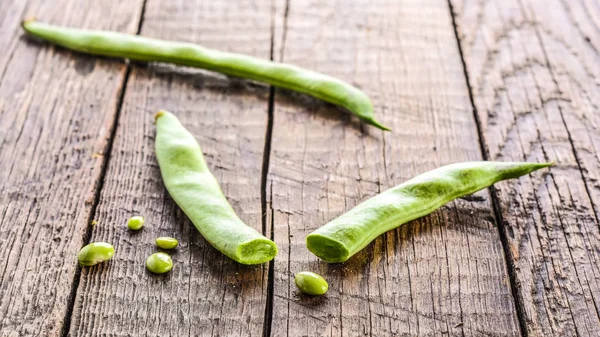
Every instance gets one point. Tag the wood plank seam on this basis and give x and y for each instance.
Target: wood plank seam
(322, 182)
(532, 24)
(496, 209)
(263, 201)
(268, 319)
(98, 188)
(228, 118)
(541, 66)
(536, 28)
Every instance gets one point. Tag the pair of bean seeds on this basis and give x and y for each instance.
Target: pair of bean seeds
(158, 263)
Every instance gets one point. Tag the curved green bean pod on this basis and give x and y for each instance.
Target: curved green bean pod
(345, 236)
(139, 48)
(197, 192)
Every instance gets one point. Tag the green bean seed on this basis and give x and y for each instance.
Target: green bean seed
(135, 223)
(95, 253)
(343, 237)
(166, 242)
(311, 283)
(159, 263)
(139, 48)
(197, 192)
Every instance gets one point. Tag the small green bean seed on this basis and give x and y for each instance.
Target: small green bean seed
(135, 223)
(95, 253)
(166, 242)
(311, 283)
(159, 263)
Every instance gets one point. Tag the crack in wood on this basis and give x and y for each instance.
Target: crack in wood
(100, 184)
(494, 198)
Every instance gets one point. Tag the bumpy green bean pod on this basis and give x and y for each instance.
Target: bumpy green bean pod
(345, 236)
(139, 48)
(197, 192)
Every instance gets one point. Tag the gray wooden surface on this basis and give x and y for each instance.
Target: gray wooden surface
(456, 80)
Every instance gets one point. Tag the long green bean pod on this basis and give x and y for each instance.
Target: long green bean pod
(345, 236)
(140, 48)
(197, 192)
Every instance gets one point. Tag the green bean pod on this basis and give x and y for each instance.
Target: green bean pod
(197, 192)
(139, 48)
(345, 236)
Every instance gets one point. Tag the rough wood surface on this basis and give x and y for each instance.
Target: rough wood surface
(533, 68)
(441, 275)
(68, 177)
(206, 294)
(57, 111)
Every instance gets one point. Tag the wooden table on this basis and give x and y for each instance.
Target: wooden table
(465, 80)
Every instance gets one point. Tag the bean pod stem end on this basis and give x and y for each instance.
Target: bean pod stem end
(256, 251)
(328, 249)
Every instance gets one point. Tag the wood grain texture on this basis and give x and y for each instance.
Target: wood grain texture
(57, 110)
(533, 71)
(533, 68)
(206, 293)
(441, 275)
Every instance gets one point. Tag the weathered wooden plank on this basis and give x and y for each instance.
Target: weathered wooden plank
(206, 294)
(57, 111)
(533, 68)
(443, 274)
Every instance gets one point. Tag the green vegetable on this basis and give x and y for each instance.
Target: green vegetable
(197, 192)
(166, 242)
(135, 223)
(139, 48)
(159, 263)
(343, 237)
(95, 253)
(311, 283)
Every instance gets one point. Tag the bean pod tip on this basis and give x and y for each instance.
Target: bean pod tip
(27, 21)
(159, 114)
(378, 125)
